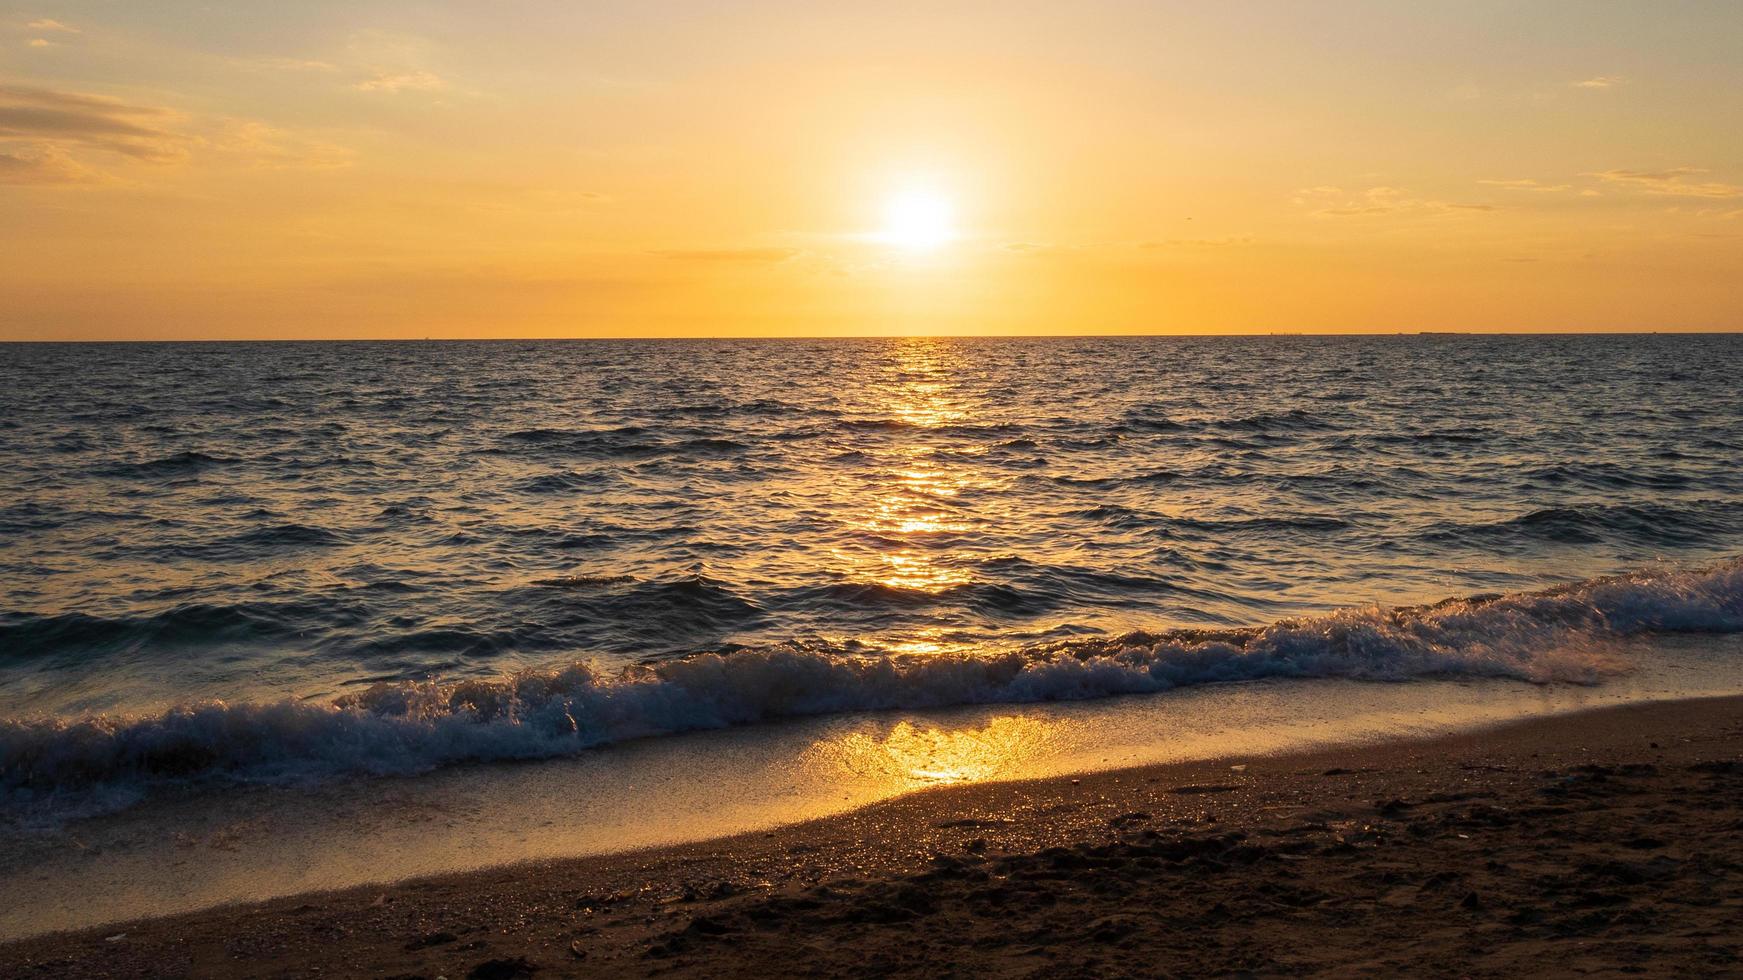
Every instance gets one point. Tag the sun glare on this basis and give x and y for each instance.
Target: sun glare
(918, 220)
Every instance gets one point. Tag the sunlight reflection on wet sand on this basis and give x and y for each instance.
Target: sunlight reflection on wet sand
(912, 754)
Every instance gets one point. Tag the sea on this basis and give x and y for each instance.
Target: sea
(227, 567)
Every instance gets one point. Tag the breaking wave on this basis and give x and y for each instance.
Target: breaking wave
(1557, 635)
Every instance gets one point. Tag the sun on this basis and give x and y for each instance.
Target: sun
(918, 219)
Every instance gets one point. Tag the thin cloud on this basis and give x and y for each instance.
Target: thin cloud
(1601, 82)
(45, 24)
(1648, 176)
(1527, 185)
(266, 147)
(43, 167)
(285, 64)
(1046, 248)
(40, 42)
(1227, 242)
(53, 118)
(49, 136)
(1334, 202)
(751, 255)
(1673, 182)
(401, 81)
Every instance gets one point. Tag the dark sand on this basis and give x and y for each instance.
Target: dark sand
(1605, 842)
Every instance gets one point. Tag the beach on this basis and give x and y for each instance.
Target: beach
(1602, 841)
(824, 489)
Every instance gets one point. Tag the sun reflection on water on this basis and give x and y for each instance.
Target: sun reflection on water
(917, 507)
(905, 570)
(911, 534)
(922, 389)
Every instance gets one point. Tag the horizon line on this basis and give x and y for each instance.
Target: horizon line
(892, 336)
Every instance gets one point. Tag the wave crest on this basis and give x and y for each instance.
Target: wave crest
(1558, 634)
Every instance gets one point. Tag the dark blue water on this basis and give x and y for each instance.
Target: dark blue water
(859, 523)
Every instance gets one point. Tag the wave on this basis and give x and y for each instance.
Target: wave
(177, 464)
(1152, 420)
(1604, 476)
(27, 635)
(29, 515)
(1556, 635)
(989, 598)
(1652, 524)
(660, 614)
(720, 410)
(629, 441)
(1127, 518)
(1148, 420)
(909, 425)
(287, 536)
(565, 482)
(1292, 420)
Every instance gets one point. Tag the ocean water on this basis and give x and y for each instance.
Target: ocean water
(226, 563)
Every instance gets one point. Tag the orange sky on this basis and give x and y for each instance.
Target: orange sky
(517, 169)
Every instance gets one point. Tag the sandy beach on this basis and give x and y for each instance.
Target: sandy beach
(1609, 841)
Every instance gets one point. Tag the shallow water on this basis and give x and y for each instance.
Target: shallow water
(190, 850)
(850, 525)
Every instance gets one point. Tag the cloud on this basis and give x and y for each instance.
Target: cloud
(1040, 248)
(285, 64)
(42, 167)
(1648, 176)
(498, 198)
(1527, 185)
(1334, 202)
(1198, 242)
(40, 42)
(267, 147)
(45, 24)
(47, 117)
(729, 254)
(1601, 82)
(1100, 248)
(52, 137)
(1669, 183)
(1065, 249)
(401, 81)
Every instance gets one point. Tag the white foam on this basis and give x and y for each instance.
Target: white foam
(1559, 635)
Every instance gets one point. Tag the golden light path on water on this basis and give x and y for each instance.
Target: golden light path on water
(914, 521)
(919, 517)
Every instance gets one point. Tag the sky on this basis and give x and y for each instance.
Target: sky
(176, 170)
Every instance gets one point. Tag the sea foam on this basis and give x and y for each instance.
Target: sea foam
(1565, 634)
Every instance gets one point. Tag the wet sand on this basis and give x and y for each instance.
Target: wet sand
(1609, 841)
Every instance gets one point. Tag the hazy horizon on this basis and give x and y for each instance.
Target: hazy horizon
(607, 338)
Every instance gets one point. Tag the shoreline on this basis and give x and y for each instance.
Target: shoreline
(183, 853)
(883, 878)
